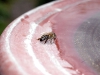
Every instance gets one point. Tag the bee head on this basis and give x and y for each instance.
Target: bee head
(44, 37)
(41, 39)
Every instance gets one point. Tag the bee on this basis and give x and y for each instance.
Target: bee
(48, 36)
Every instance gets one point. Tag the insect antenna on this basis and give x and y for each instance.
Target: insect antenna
(38, 39)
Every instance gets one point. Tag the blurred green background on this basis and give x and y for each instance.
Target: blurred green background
(11, 9)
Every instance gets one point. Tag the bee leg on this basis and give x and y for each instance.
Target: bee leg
(51, 41)
(54, 38)
(45, 41)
